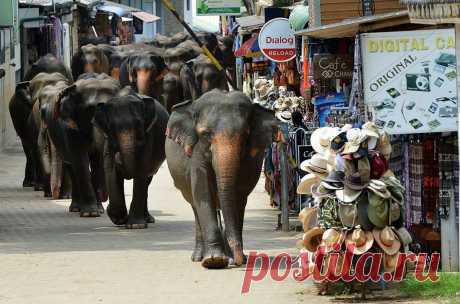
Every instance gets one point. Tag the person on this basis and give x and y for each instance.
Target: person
(297, 120)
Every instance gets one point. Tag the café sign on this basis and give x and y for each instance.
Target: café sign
(332, 66)
(277, 40)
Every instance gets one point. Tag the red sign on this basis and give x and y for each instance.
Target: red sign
(277, 40)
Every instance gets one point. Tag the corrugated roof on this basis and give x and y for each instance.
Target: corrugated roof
(249, 22)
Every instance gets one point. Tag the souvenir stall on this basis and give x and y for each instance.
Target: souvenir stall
(412, 96)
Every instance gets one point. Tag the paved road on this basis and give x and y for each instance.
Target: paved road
(50, 256)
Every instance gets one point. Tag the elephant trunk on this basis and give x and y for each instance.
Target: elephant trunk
(126, 157)
(226, 153)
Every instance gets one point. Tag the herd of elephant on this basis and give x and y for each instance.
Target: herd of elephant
(118, 112)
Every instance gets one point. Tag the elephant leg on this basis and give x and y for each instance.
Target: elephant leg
(98, 179)
(137, 210)
(148, 217)
(74, 205)
(29, 175)
(116, 210)
(214, 254)
(66, 188)
(197, 255)
(87, 197)
(56, 172)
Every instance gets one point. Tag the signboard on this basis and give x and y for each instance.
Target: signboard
(410, 80)
(332, 66)
(277, 40)
(218, 7)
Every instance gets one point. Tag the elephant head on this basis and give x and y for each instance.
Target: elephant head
(223, 131)
(146, 72)
(126, 121)
(77, 103)
(90, 59)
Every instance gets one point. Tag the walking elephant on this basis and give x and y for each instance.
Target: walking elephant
(215, 149)
(134, 126)
(90, 59)
(70, 127)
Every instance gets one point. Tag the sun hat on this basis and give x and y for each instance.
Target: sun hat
(332, 240)
(320, 139)
(378, 210)
(306, 182)
(355, 137)
(308, 218)
(384, 145)
(390, 262)
(356, 181)
(317, 165)
(284, 116)
(395, 211)
(334, 181)
(348, 214)
(362, 240)
(379, 188)
(387, 240)
(363, 218)
(319, 191)
(395, 187)
(347, 195)
(373, 134)
(403, 235)
(312, 238)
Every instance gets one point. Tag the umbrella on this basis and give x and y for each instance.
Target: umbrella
(250, 48)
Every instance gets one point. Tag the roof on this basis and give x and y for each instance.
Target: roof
(251, 22)
(146, 17)
(126, 11)
(350, 27)
(58, 2)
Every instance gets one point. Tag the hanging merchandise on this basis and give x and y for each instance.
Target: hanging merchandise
(324, 104)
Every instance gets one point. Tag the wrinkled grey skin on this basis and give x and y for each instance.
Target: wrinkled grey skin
(20, 108)
(215, 149)
(79, 143)
(90, 59)
(134, 126)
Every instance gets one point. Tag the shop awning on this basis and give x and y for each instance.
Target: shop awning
(350, 27)
(122, 10)
(250, 22)
(250, 48)
(46, 3)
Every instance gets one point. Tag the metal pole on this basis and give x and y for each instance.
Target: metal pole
(284, 188)
(211, 57)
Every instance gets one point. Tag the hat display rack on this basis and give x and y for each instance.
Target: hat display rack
(358, 200)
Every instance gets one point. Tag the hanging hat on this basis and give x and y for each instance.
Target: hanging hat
(379, 165)
(384, 145)
(387, 240)
(390, 262)
(312, 239)
(334, 181)
(317, 165)
(404, 236)
(395, 211)
(395, 187)
(356, 181)
(284, 116)
(373, 134)
(348, 214)
(379, 188)
(363, 218)
(306, 182)
(308, 218)
(362, 240)
(378, 210)
(338, 140)
(332, 238)
(319, 191)
(320, 139)
(355, 137)
(348, 195)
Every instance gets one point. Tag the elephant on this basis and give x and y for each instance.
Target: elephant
(90, 59)
(169, 42)
(144, 72)
(214, 150)
(20, 108)
(134, 126)
(81, 145)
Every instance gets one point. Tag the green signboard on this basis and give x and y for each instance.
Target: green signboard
(218, 7)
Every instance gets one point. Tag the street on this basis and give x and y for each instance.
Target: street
(48, 255)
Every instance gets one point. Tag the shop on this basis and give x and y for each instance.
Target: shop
(402, 77)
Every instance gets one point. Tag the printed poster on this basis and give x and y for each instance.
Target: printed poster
(218, 7)
(410, 80)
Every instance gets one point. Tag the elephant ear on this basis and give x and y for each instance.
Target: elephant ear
(181, 127)
(101, 117)
(150, 114)
(64, 93)
(264, 127)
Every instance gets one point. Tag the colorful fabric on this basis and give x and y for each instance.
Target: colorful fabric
(415, 182)
(448, 176)
(430, 181)
(328, 213)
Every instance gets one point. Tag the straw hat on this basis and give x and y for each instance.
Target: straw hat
(361, 240)
(320, 139)
(387, 240)
(332, 240)
(284, 116)
(317, 165)
(312, 239)
(390, 262)
(308, 218)
(306, 182)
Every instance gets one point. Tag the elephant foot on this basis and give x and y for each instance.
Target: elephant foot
(133, 223)
(48, 194)
(102, 196)
(100, 208)
(89, 211)
(215, 259)
(149, 218)
(116, 218)
(197, 254)
(74, 207)
(231, 261)
(65, 196)
(38, 187)
(27, 184)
